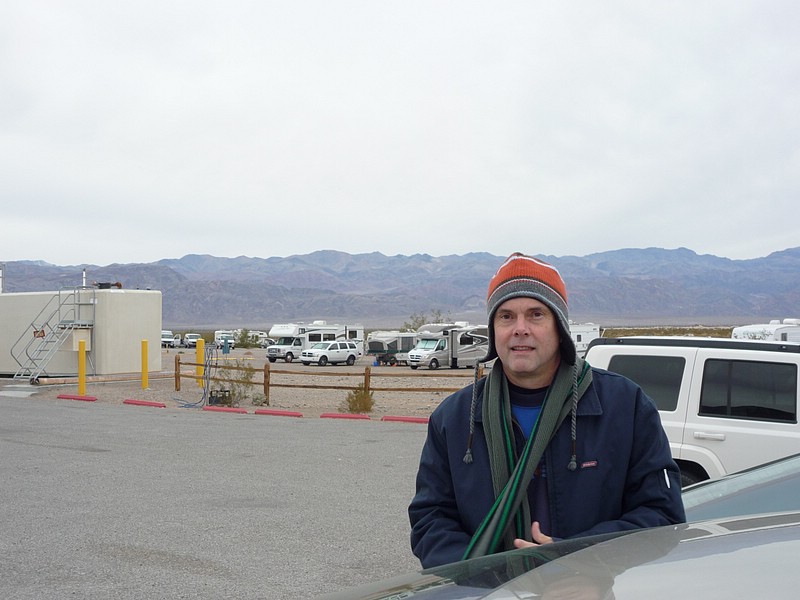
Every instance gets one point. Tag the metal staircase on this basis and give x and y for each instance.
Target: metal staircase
(69, 310)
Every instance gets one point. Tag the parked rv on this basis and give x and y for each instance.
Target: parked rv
(775, 330)
(223, 336)
(582, 335)
(292, 338)
(391, 347)
(253, 336)
(451, 345)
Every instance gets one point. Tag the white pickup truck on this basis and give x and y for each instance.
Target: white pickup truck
(169, 339)
(725, 404)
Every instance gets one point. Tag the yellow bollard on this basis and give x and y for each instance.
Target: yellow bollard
(144, 365)
(81, 367)
(200, 354)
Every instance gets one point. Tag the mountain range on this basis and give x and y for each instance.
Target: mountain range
(619, 287)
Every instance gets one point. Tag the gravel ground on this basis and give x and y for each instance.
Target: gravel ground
(311, 401)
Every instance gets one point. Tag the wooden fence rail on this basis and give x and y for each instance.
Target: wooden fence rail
(365, 378)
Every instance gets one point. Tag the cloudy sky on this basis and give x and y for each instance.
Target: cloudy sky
(136, 131)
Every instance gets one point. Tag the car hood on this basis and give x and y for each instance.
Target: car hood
(742, 557)
(745, 557)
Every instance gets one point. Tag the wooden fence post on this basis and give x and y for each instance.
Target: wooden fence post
(367, 374)
(266, 383)
(177, 372)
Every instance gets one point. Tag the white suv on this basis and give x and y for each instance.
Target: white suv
(190, 339)
(725, 404)
(323, 353)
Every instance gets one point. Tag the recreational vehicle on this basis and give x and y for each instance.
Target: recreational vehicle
(292, 338)
(223, 338)
(775, 330)
(451, 345)
(391, 347)
(582, 334)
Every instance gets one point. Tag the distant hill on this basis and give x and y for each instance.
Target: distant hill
(629, 286)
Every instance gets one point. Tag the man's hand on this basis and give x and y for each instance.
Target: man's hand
(538, 538)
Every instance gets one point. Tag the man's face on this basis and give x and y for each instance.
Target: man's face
(527, 340)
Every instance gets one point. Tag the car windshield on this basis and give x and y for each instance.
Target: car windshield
(426, 344)
(320, 346)
(470, 579)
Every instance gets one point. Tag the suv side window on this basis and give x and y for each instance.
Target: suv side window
(749, 390)
(659, 376)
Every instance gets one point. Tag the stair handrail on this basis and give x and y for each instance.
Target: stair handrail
(45, 330)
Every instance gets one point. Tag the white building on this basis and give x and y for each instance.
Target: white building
(40, 332)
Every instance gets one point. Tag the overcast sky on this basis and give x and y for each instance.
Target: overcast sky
(136, 131)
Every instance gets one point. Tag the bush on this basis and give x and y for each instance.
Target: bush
(239, 381)
(358, 400)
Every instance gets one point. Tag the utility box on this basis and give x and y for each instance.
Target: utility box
(113, 322)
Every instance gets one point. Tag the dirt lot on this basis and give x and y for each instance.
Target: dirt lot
(426, 389)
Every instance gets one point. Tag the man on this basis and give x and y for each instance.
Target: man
(543, 448)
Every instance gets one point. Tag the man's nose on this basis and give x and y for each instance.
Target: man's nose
(520, 326)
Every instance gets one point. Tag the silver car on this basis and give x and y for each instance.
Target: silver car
(741, 542)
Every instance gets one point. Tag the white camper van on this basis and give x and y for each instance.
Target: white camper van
(391, 347)
(223, 337)
(449, 345)
(292, 338)
(775, 330)
(582, 335)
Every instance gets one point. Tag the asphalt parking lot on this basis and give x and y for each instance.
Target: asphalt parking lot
(109, 501)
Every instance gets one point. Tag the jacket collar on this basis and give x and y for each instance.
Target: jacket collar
(588, 404)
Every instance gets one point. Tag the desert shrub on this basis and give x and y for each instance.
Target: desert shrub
(358, 400)
(239, 381)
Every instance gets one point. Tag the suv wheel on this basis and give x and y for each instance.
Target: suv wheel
(351, 360)
(323, 360)
(690, 475)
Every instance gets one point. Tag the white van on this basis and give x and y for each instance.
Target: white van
(725, 404)
(451, 345)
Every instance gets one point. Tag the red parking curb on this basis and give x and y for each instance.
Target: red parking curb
(229, 409)
(75, 397)
(343, 416)
(277, 413)
(406, 419)
(144, 403)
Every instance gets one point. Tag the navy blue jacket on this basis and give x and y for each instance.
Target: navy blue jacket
(626, 478)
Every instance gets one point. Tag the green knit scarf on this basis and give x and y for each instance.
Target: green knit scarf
(509, 517)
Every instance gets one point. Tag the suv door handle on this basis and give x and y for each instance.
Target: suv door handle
(701, 435)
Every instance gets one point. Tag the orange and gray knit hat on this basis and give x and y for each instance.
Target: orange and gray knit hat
(528, 277)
